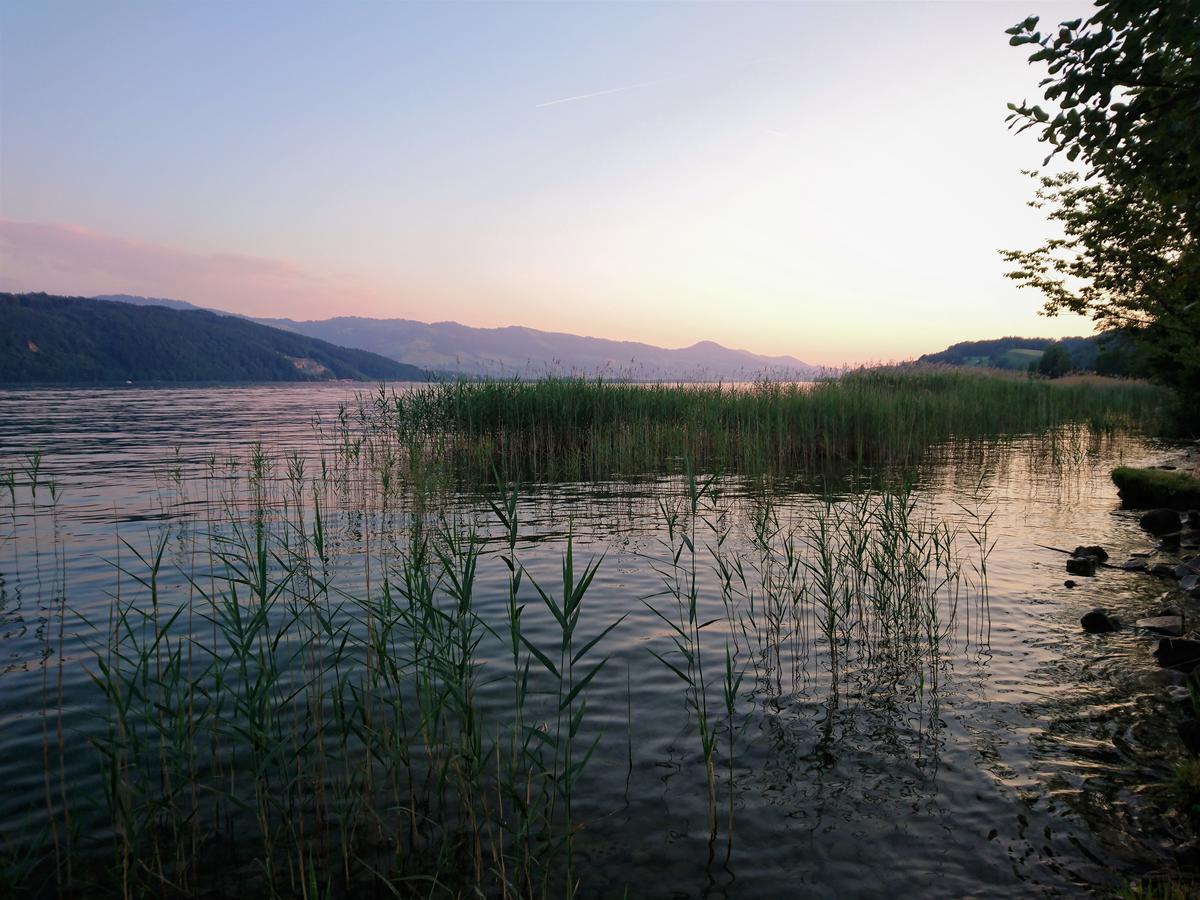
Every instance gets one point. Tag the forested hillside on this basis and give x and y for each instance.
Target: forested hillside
(1109, 353)
(51, 339)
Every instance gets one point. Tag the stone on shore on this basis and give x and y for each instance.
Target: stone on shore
(1171, 626)
(1178, 653)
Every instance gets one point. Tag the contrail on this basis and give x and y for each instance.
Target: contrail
(642, 84)
(616, 90)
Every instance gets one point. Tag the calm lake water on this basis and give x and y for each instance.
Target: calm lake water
(1031, 758)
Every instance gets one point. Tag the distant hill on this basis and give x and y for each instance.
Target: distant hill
(149, 301)
(516, 351)
(1019, 352)
(51, 339)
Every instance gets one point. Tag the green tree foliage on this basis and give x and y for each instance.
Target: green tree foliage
(1124, 93)
(1055, 362)
(75, 339)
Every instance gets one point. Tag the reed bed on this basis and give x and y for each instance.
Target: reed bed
(336, 676)
(577, 429)
(286, 688)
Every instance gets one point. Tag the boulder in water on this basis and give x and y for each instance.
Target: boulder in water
(1160, 521)
(1098, 621)
(1081, 565)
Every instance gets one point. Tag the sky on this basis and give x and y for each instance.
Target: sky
(831, 181)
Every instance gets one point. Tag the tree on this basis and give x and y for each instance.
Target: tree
(1055, 361)
(1126, 84)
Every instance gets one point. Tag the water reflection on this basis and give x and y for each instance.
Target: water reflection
(993, 750)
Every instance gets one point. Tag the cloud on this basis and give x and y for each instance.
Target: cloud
(70, 259)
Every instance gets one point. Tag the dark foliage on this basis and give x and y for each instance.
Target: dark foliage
(1123, 91)
(1109, 353)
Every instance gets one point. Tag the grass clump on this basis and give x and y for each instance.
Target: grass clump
(1157, 487)
(576, 428)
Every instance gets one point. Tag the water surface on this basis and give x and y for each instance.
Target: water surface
(1029, 759)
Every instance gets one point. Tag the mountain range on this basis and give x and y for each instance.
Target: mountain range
(517, 351)
(451, 349)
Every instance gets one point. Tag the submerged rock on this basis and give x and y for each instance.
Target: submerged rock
(1098, 621)
(1081, 565)
(1160, 521)
(1069, 583)
(1094, 552)
(1193, 518)
(1162, 570)
(1168, 625)
(1178, 653)
(1135, 565)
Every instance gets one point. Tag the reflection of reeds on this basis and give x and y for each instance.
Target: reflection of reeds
(258, 721)
(289, 697)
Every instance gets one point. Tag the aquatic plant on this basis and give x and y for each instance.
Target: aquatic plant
(574, 428)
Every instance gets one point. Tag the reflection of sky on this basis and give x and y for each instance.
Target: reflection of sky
(1023, 771)
(826, 180)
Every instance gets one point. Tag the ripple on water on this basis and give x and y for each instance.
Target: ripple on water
(1032, 766)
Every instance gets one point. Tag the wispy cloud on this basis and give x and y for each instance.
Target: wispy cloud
(70, 259)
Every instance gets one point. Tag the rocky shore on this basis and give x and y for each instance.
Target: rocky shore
(1164, 495)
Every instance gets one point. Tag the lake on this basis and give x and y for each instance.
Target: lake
(966, 740)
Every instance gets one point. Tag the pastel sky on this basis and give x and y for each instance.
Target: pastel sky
(827, 180)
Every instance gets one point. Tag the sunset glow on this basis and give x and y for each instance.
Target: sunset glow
(830, 181)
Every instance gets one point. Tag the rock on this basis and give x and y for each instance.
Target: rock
(1094, 552)
(1135, 565)
(1193, 518)
(1178, 653)
(1170, 542)
(1081, 565)
(1069, 583)
(1160, 521)
(1140, 554)
(1189, 582)
(1168, 625)
(1189, 733)
(1162, 570)
(1169, 611)
(1098, 621)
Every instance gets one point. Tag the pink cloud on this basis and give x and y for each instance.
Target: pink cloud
(70, 259)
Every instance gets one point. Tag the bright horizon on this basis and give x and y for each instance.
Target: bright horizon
(826, 181)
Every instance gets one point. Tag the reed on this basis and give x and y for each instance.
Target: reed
(578, 429)
(291, 688)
